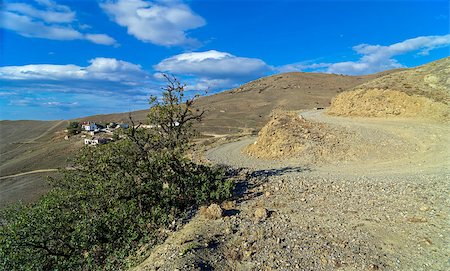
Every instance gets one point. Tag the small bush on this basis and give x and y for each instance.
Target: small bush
(74, 128)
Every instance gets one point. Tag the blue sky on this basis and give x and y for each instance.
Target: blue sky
(67, 59)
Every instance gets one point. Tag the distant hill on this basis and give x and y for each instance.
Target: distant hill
(419, 92)
(248, 107)
(33, 145)
(28, 145)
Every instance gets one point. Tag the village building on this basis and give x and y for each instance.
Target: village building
(89, 126)
(114, 125)
(95, 141)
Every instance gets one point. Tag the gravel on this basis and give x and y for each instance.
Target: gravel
(375, 214)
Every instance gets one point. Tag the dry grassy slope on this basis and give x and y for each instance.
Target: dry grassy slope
(419, 92)
(431, 80)
(29, 145)
(248, 107)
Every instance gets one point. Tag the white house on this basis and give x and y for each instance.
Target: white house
(113, 126)
(89, 126)
(95, 141)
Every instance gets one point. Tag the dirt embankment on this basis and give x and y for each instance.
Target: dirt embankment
(422, 92)
(386, 103)
(289, 135)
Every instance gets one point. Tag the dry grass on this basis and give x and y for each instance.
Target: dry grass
(387, 103)
(422, 92)
(249, 106)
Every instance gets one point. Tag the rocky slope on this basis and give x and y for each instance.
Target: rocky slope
(387, 212)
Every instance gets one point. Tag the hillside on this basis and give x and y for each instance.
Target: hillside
(248, 107)
(331, 192)
(30, 145)
(422, 92)
(35, 145)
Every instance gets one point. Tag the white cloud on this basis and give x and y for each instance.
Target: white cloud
(108, 69)
(53, 22)
(101, 39)
(28, 27)
(376, 58)
(41, 71)
(102, 75)
(300, 66)
(163, 22)
(59, 15)
(214, 69)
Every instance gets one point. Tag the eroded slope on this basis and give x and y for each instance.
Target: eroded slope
(422, 92)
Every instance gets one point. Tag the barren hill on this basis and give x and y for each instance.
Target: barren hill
(30, 146)
(419, 92)
(248, 107)
(26, 146)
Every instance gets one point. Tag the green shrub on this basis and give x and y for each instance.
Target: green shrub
(74, 128)
(98, 215)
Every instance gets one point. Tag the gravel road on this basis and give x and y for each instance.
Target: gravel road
(389, 211)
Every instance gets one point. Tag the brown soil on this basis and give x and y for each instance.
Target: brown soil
(248, 107)
(422, 92)
(288, 134)
(386, 212)
(387, 103)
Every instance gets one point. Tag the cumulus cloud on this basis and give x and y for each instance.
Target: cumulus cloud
(102, 75)
(163, 22)
(376, 58)
(43, 102)
(214, 69)
(101, 39)
(55, 13)
(51, 21)
(301, 66)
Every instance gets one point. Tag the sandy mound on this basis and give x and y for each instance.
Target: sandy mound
(422, 92)
(287, 134)
(386, 103)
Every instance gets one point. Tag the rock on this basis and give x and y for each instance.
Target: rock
(424, 208)
(247, 254)
(212, 212)
(267, 194)
(261, 213)
(228, 205)
(417, 219)
(228, 231)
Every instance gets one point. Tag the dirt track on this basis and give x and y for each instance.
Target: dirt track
(403, 146)
(29, 172)
(388, 211)
(379, 213)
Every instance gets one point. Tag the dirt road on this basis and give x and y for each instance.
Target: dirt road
(389, 211)
(29, 172)
(46, 132)
(402, 147)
